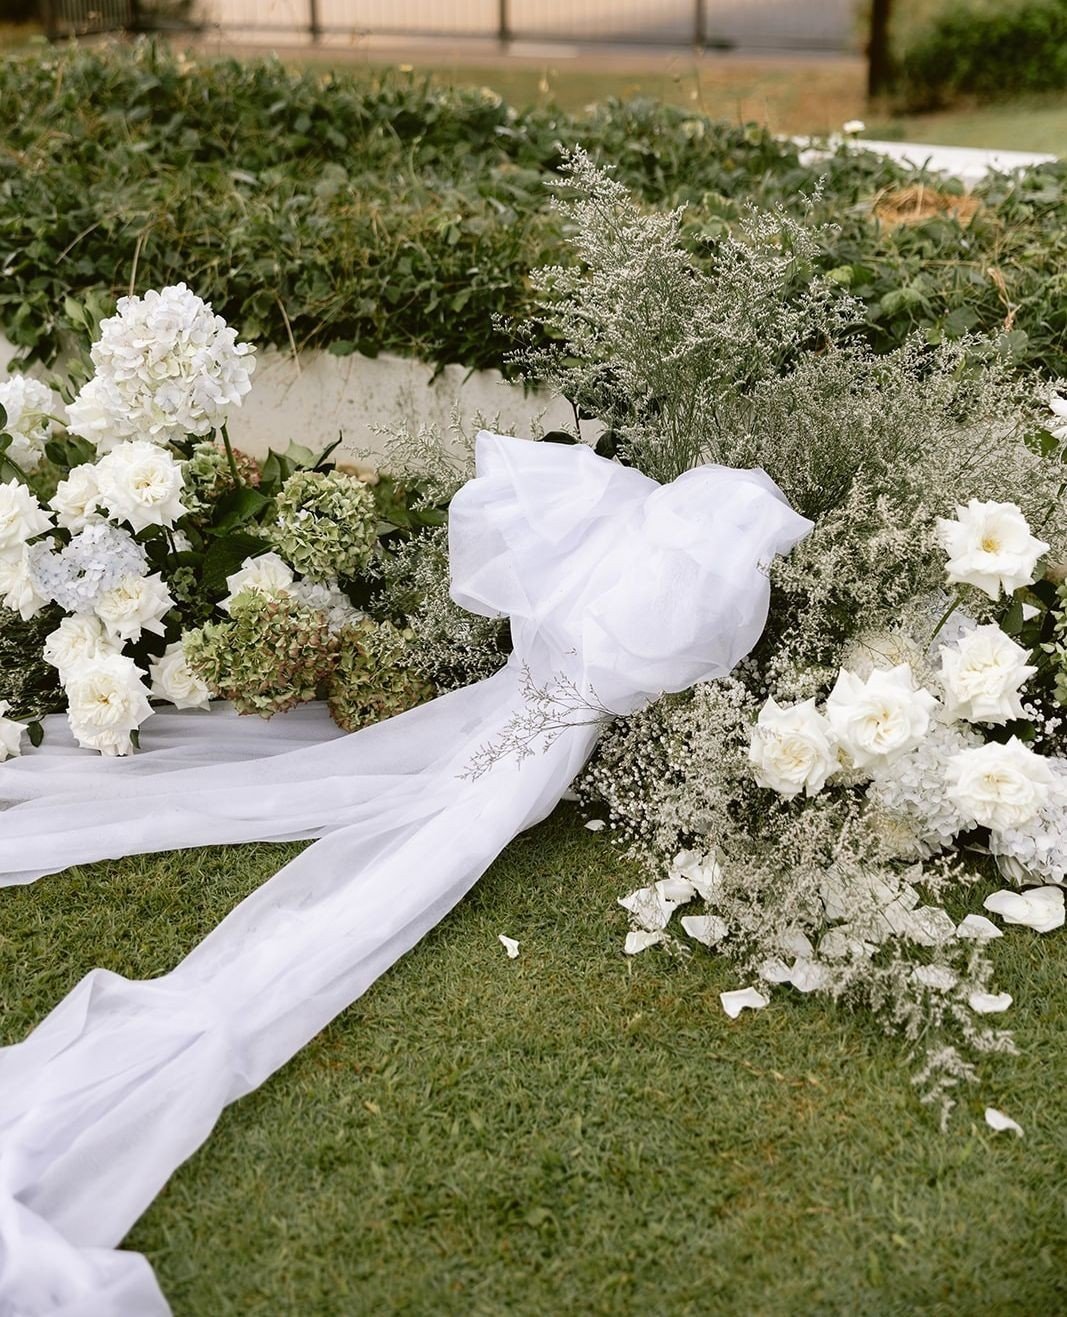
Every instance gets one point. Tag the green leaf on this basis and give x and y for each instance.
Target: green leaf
(35, 732)
(226, 556)
(237, 508)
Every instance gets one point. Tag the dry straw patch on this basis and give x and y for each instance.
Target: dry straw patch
(920, 202)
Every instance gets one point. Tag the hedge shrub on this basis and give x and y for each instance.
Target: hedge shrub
(354, 212)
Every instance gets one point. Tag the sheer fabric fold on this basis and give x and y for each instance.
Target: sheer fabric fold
(620, 587)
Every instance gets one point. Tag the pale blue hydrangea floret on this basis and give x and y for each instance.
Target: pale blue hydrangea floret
(95, 561)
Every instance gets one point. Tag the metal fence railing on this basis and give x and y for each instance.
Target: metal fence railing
(743, 24)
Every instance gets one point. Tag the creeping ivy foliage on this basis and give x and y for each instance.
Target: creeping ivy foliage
(376, 214)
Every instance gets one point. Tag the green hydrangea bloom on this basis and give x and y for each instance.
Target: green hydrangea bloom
(272, 654)
(207, 476)
(327, 524)
(373, 678)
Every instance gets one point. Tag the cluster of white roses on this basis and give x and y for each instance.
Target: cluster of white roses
(922, 753)
(166, 367)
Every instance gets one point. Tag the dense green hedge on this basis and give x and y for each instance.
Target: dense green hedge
(988, 50)
(389, 214)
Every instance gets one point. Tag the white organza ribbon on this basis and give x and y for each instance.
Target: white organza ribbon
(621, 587)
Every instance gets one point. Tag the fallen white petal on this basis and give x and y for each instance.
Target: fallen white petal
(775, 971)
(708, 929)
(989, 1003)
(675, 891)
(929, 925)
(996, 1120)
(936, 976)
(510, 946)
(640, 941)
(796, 943)
(596, 825)
(808, 975)
(648, 907)
(978, 927)
(733, 1003)
(1039, 908)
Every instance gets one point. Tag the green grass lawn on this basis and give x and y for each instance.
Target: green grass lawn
(574, 1132)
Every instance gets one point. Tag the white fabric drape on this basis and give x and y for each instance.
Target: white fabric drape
(622, 587)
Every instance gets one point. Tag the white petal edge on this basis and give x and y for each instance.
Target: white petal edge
(989, 1003)
(640, 941)
(596, 825)
(707, 929)
(996, 1120)
(978, 927)
(1039, 908)
(733, 1003)
(510, 945)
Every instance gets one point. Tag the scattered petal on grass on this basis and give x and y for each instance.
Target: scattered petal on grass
(596, 825)
(978, 927)
(938, 977)
(996, 1120)
(989, 1003)
(1039, 908)
(510, 946)
(733, 1003)
(808, 975)
(640, 941)
(708, 929)
(775, 971)
(652, 907)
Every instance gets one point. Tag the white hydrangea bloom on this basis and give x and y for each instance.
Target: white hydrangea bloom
(175, 682)
(21, 518)
(94, 562)
(914, 787)
(982, 676)
(166, 367)
(76, 500)
(30, 407)
(989, 546)
(327, 597)
(141, 484)
(1036, 850)
(106, 702)
(135, 604)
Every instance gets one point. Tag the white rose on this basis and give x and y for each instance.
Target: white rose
(174, 681)
(853, 127)
(998, 786)
(982, 675)
(10, 733)
(267, 573)
(21, 518)
(989, 546)
(75, 640)
(29, 405)
(792, 749)
(76, 499)
(878, 720)
(106, 701)
(17, 590)
(137, 603)
(141, 483)
(1059, 410)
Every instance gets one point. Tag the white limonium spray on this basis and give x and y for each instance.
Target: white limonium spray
(141, 484)
(76, 501)
(268, 574)
(106, 703)
(21, 518)
(983, 674)
(999, 786)
(175, 682)
(135, 604)
(989, 546)
(877, 720)
(166, 367)
(30, 407)
(792, 749)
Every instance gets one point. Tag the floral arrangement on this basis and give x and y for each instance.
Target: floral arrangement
(144, 560)
(894, 752)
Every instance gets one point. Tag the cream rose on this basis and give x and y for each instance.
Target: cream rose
(175, 682)
(106, 702)
(17, 590)
(878, 720)
(75, 640)
(21, 518)
(141, 484)
(982, 675)
(998, 786)
(76, 500)
(989, 546)
(268, 573)
(792, 749)
(136, 604)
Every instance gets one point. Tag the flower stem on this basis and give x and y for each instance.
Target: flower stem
(230, 457)
(957, 599)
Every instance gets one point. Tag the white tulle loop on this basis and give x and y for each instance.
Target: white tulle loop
(621, 587)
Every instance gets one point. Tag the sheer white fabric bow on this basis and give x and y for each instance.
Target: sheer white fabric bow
(623, 588)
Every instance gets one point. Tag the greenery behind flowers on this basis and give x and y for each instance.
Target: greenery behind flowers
(377, 214)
